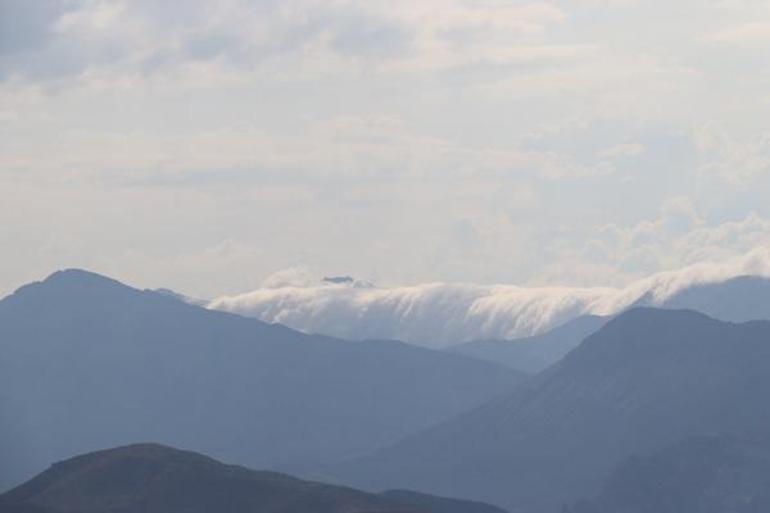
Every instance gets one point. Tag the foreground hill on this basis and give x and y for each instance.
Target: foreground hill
(157, 479)
(646, 379)
(86, 362)
(708, 474)
(536, 353)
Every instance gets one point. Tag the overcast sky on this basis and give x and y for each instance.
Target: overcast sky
(205, 145)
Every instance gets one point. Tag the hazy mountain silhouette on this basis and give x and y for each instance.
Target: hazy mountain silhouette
(150, 478)
(86, 363)
(646, 379)
(708, 474)
(181, 297)
(534, 354)
(740, 299)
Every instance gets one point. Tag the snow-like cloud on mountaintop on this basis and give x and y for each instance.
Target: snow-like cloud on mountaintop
(441, 314)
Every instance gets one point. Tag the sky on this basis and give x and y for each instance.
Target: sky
(204, 146)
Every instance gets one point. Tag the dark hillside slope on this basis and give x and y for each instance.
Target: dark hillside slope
(151, 478)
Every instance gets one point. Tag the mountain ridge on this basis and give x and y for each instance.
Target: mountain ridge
(647, 378)
(108, 364)
(535, 353)
(152, 478)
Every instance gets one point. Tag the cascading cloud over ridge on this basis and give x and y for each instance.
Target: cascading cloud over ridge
(441, 314)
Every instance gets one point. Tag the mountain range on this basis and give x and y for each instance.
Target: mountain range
(538, 352)
(651, 410)
(648, 378)
(739, 299)
(87, 362)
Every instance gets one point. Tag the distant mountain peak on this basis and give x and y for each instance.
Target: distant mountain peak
(348, 281)
(338, 279)
(643, 332)
(66, 284)
(642, 320)
(180, 297)
(80, 276)
(136, 365)
(652, 313)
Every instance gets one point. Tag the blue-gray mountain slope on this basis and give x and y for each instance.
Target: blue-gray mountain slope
(536, 353)
(700, 474)
(86, 363)
(646, 379)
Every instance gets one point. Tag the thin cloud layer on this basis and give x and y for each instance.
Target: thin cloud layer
(442, 314)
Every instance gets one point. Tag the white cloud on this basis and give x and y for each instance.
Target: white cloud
(622, 150)
(436, 314)
(297, 276)
(440, 314)
(677, 237)
(738, 162)
(520, 142)
(430, 314)
(342, 147)
(142, 37)
(747, 33)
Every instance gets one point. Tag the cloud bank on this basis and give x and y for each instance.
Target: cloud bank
(442, 314)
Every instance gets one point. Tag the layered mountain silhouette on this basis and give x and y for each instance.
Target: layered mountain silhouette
(740, 299)
(87, 362)
(151, 478)
(536, 353)
(647, 379)
(705, 474)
